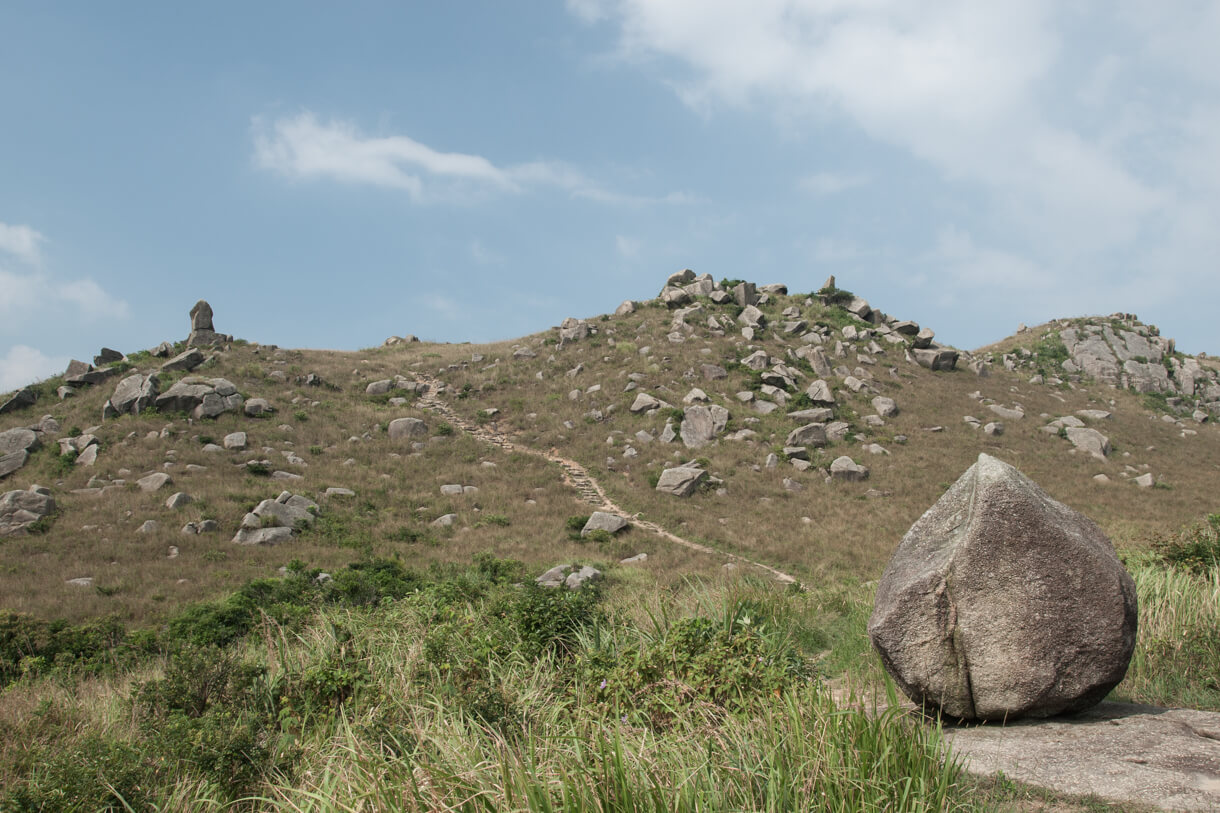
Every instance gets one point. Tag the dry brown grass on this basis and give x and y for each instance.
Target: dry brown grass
(397, 489)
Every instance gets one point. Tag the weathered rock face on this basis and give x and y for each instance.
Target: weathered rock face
(702, 424)
(203, 332)
(20, 509)
(201, 397)
(187, 361)
(20, 400)
(1001, 602)
(201, 316)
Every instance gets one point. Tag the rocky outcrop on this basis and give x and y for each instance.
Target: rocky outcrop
(21, 399)
(1001, 602)
(276, 520)
(21, 509)
(702, 424)
(203, 332)
(201, 397)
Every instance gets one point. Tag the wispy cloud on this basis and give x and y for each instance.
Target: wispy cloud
(303, 147)
(33, 296)
(21, 242)
(989, 95)
(23, 365)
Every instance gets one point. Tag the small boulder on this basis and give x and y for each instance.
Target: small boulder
(885, 407)
(257, 408)
(407, 428)
(154, 482)
(21, 399)
(569, 576)
(186, 361)
(681, 481)
(846, 469)
(604, 521)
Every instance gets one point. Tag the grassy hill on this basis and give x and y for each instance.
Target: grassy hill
(416, 641)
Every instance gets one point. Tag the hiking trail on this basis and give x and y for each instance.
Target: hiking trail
(574, 475)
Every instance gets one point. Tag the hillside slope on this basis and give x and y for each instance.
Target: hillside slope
(725, 366)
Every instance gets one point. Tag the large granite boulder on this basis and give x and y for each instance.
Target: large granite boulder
(1001, 602)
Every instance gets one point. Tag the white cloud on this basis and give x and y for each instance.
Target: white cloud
(831, 183)
(33, 297)
(988, 94)
(24, 365)
(302, 147)
(22, 242)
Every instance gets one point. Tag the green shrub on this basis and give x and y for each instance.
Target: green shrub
(96, 774)
(443, 429)
(547, 620)
(1195, 549)
(574, 525)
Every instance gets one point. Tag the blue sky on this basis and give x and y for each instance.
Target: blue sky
(329, 176)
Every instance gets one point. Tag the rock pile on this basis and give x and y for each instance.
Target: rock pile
(1001, 602)
(276, 520)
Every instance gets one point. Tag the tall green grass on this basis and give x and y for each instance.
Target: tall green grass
(1177, 656)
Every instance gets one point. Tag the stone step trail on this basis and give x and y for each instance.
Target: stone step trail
(574, 475)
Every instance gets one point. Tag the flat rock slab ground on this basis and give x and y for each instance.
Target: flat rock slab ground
(1124, 753)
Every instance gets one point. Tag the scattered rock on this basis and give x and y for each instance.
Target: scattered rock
(407, 428)
(179, 500)
(570, 576)
(154, 482)
(604, 521)
(107, 356)
(262, 536)
(885, 407)
(235, 440)
(444, 521)
(257, 408)
(846, 469)
(1001, 602)
(1089, 440)
(1145, 480)
(681, 481)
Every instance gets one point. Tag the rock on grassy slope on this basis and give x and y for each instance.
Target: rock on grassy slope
(761, 388)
